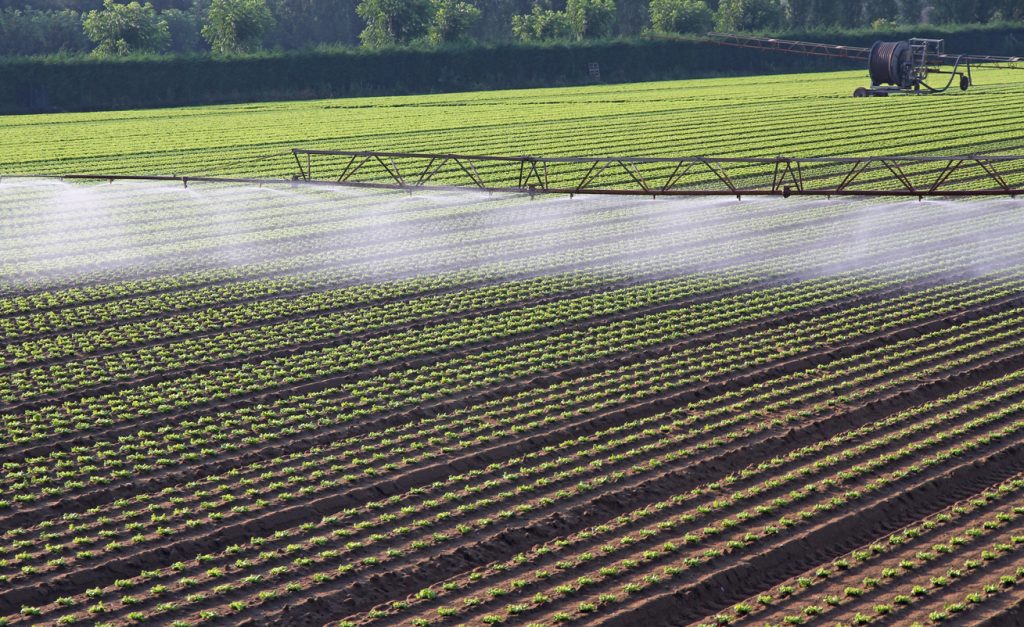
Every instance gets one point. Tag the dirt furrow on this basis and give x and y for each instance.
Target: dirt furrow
(703, 471)
(19, 452)
(478, 542)
(723, 588)
(587, 511)
(761, 374)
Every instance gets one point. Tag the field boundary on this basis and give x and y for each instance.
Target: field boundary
(86, 83)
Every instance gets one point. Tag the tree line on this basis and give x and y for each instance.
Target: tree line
(113, 28)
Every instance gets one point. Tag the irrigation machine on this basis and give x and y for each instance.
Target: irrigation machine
(895, 67)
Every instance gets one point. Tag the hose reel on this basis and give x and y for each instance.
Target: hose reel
(904, 66)
(896, 67)
(892, 63)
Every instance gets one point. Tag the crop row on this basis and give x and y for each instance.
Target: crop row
(313, 255)
(247, 562)
(242, 511)
(50, 380)
(316, 411)
(215, 316)
(327, 469)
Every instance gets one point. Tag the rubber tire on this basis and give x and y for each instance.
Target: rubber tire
(861, 92)
(965, 83)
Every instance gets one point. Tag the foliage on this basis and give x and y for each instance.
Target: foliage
(124, 29)
(390, 22)
(234, 26)
(33, 32)
(185, 28)
(750, 15)
(911, 11)
(811, 14)
(581, 19)
(884, 10)
(968, 11)
(542, 25)
(51, 25)
(453, 20)
(681, 16)
(302, 24)
(1008, 10)
(591, 19)
(952, 11)
(39, 85)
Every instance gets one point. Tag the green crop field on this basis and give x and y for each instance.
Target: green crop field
(284, 404)
(799, 115)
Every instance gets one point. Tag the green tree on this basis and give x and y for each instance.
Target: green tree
(542, 24)
(234, 26)
(185, 28)
(123, 29)
(800, 14)
(591, 19)
(305, 23)
(961, 11)
(747, 15)
(453, 20)
(30, 31)
(497, 16)
(876, 10)
(811, 14)
(681, 16)
(828, 13)
(632, 17)
(390, 22)
(1009, 10)
(988, 10)
(910, 11)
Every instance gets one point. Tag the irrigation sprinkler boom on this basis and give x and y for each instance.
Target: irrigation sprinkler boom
(869, 176)
(913, 176)
(894, 66)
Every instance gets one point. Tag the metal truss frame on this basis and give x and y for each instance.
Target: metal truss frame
(726, 176)
(796, 47)
(859, 54)
(869, 176)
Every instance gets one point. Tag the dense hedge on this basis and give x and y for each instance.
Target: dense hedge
(75, 84)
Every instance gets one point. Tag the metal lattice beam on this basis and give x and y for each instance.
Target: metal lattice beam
(913, 176)
(797, 47)
(835, 51)
(871, 176)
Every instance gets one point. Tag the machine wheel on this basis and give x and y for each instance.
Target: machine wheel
(965, 82)
(861, 92)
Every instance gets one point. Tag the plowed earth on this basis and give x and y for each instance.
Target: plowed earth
(234, 405)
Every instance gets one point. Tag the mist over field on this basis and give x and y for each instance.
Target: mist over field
(63, 234)
(235, 392)
(299, 404)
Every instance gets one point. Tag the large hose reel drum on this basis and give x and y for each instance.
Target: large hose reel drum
(892, 63)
